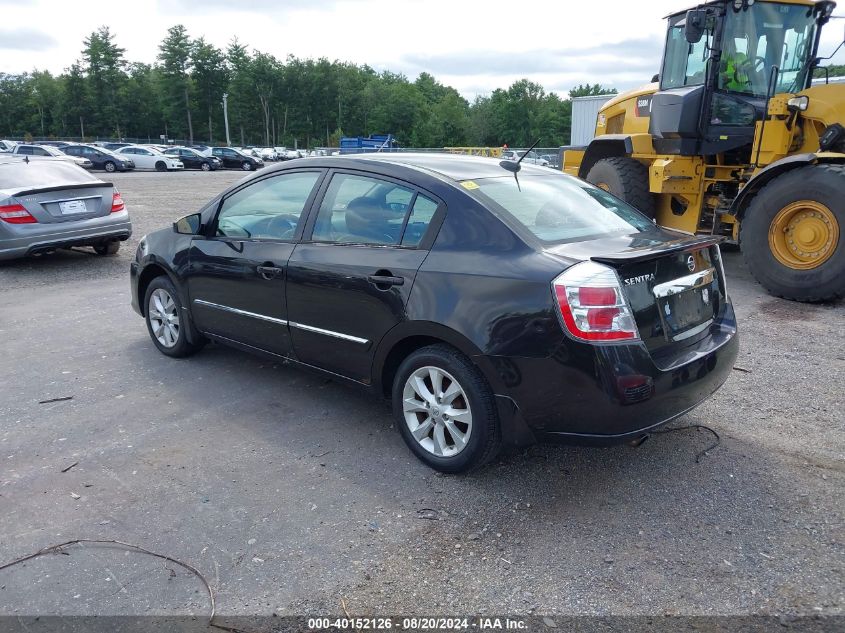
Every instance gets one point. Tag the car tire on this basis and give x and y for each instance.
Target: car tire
(110, 167)
(246, 166)
(205, 167)
(160, 166)
(109, 248)
(455, 430)
(812, 197)
(625, 178)
(165, 320)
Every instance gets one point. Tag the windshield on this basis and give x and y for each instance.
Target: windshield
(560, 208)
(761, 37)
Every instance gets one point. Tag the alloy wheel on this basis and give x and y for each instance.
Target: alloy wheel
(164, 317)
(437, 411)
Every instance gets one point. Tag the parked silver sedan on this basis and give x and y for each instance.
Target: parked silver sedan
(49, 204)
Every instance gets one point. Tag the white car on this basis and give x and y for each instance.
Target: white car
(267, 153)
(149, 158)
(532, 158)
(48, 151)
(7, 146)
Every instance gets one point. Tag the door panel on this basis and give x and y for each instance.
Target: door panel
(349, 286)
(337, 314)
(236, 279)
(231, 298)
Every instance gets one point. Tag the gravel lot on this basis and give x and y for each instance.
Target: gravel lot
(290, 492)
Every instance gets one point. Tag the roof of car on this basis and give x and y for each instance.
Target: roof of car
(453, 166)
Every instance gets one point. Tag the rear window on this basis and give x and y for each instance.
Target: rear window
(559, 208)
(20, 175)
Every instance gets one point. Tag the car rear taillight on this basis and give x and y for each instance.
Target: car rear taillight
(592, 304)
(117, 203)
(16, 214)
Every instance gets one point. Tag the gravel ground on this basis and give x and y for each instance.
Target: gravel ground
(291, 492)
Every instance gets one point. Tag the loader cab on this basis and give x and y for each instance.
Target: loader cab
(719, 67)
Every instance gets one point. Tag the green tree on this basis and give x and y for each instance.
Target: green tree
(210, 78)
(590, 90)
(104, 68)
(175, 59)
(77, 99)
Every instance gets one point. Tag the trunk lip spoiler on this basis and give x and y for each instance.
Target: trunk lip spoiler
(87, 185)
(652, 252)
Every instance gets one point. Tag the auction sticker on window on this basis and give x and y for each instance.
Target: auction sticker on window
(469, 184)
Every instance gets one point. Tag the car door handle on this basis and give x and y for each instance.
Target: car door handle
(268, 272)
(386, 280)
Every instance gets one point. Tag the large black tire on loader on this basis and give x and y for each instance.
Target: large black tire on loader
(791, 235)
(625, 178)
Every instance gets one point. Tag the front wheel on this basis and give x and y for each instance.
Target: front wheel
(791, 234)
(445, 410)
(110, 167)
(160, 166)
(205, 167)
(165, 321)
(247, 166)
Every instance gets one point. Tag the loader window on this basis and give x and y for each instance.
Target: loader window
(685, 64)
(760, 37)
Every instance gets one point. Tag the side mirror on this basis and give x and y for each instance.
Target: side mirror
(189, 225)
(656, 78)
(696, 23)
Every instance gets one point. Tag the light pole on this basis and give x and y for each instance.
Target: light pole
(226, 118)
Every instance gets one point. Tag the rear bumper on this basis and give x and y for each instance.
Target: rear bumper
(96, 231)
(612, 394)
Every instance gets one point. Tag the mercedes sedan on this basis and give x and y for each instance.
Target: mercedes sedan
(493, 303)
(50, 204)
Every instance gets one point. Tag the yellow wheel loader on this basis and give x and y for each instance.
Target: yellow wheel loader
(733, 138)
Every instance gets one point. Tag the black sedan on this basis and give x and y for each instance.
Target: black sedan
(490, 310)
(192, 159)
(101, 158)
(236, 159)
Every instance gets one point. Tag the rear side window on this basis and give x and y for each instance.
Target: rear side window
(365, 210)
(421, 215)
(560, 208)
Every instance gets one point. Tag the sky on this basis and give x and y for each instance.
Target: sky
(473, 45)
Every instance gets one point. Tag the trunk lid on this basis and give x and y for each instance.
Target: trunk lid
(673, 283)
(67, 203)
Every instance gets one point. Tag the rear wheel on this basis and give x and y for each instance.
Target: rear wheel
(165, 321)
(625, 178)
(791, 234)
(110, 166)
(445, 410)
(109, 248)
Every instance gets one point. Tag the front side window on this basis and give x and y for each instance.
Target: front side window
(362, 210)
(268, 209)
(685, 64)
(560, 208)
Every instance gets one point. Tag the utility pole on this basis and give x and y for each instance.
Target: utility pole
(226, 118)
